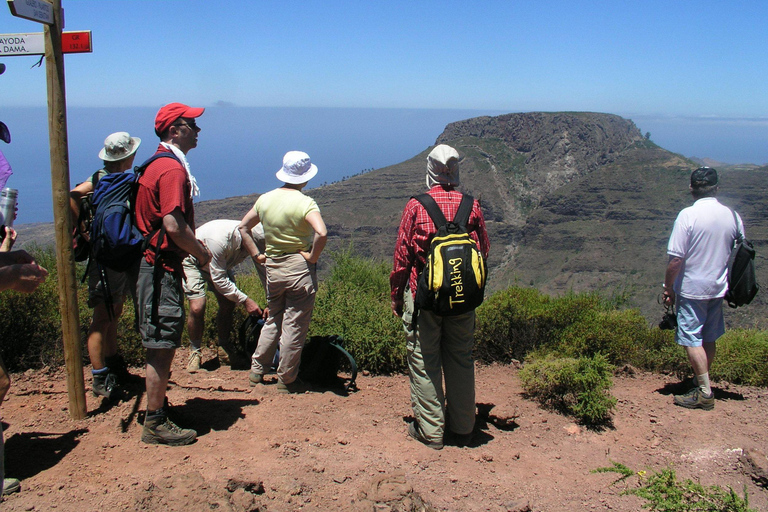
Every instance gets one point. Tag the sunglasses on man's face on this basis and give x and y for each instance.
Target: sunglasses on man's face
(189, 124)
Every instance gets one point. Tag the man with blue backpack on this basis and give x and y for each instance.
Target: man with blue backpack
(107, 288)
(165, 217)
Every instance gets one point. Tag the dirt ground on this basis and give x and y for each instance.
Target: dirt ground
(259, 450)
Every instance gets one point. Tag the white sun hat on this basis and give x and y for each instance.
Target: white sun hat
(119, 146)
(297, 168)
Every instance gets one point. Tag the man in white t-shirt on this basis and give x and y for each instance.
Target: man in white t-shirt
(697, 278)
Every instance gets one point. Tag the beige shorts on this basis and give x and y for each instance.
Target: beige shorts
(196, 278)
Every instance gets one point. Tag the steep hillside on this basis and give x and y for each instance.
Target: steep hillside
(573, 201)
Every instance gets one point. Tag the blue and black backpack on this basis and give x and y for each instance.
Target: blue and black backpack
(116, 242)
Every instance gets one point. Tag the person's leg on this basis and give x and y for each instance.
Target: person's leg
(273, 326)
(196, 322)
(225, 317)
(457, 343)
(158, 371)
(299, 303)
(425, 371)
(691, 318)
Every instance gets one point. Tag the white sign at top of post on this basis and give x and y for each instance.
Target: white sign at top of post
(35, 10)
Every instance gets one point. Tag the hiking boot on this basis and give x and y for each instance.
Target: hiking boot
(695, 399)
(104, 385)
(223, 355)
(11, 485)
(296, 387)
(255, 378)
(415, 432)
(195, 360)
(161, 430)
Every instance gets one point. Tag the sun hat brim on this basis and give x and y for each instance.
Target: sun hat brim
(135, 141)
(294, 179)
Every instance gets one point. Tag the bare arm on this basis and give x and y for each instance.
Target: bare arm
(249, 221)
(22, 277)
(321, 237)
(75, 195)
(673, 269)
(183, 236)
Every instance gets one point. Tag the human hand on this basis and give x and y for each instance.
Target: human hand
(668, 298)
(307, 256)
(28, 277)
(252, 307)
(19, 257)
(397, 307)
(9, 240)
(265, 313)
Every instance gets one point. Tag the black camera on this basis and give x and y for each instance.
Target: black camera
(668, 322)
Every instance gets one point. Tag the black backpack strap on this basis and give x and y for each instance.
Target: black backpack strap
(434, 211)
(335, 342)
(160, 154)
(465, 210)
(740, 236)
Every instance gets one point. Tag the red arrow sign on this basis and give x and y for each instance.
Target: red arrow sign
(76, 42)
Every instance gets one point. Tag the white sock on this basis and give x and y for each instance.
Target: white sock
(195, 345)
(704, 385)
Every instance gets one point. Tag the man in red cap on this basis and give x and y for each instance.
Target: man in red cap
(165, 215)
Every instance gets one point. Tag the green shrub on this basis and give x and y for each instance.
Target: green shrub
(515, 321)
(663, 492)
(577, 387)
(30, 323)
(619, 335)
(354, 302)
(742, 358)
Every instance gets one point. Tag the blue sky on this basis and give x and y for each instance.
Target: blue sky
(691, 73)
(672, 58)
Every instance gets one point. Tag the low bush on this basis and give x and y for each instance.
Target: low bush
(664, 492)
(742, 357)
(354, 302)
(577, 387)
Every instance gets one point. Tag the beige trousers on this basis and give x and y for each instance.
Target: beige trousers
(291, 288)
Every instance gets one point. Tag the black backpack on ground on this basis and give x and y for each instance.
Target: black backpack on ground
(742, 283)
(322, 359)
(452, 281)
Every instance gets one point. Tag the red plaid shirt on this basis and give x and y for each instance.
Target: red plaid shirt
(416, 230)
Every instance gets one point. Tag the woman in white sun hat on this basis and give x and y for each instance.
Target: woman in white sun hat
(108, 366)
(295, 235)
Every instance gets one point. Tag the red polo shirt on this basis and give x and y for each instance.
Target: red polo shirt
(163, 188)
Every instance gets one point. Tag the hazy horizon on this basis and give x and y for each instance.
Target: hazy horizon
(241, 148)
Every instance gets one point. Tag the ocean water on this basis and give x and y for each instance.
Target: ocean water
(241, 148)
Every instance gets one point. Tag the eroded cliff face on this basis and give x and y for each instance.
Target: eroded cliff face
(554, 148)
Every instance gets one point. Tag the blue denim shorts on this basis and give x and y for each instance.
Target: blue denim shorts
(699, 321)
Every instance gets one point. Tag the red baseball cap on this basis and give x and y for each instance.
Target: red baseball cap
(169, 113)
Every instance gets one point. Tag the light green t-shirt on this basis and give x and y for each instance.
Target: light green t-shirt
(283, 214)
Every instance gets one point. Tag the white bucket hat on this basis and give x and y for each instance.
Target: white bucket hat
(119, 146)
(297, 168)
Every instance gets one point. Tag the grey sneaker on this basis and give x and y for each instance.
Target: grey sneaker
(255, 378)
(195, 360)
(161, 430)
(695, 399)
(415, 432)
(296, 387)
(104, 385)
(11, 485)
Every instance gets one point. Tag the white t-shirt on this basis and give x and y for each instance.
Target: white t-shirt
(703, 237)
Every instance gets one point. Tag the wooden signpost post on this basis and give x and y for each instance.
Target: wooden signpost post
(51, 15)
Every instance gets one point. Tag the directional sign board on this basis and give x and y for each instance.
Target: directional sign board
(34, 44)
(35, 10)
